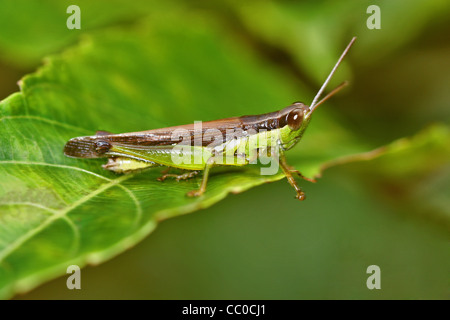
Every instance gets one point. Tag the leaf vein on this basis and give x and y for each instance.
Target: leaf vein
(60, 214)
(130, 193)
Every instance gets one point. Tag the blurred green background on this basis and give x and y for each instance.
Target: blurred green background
(393, 212)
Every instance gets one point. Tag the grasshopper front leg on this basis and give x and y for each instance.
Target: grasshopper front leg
(298, 173)
(302, 176)
(288, 173)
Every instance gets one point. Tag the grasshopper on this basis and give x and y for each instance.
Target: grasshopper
(200, 149)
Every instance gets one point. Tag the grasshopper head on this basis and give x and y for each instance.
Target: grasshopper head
(295, 119)
(293, 122)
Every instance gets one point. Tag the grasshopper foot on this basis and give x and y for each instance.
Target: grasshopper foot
(300, 196)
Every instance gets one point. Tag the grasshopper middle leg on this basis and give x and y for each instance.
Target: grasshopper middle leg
(202, 189)
(178, 177)
(209, 164)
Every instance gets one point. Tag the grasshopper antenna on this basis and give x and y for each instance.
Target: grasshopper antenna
(332, 93)
(314, 104)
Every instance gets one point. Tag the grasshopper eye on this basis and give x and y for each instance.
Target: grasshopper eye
(295, 119)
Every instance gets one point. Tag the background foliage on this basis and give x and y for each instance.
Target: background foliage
(146, 65)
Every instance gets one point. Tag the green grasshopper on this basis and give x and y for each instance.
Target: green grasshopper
(198, 147)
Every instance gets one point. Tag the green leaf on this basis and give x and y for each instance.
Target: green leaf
(57, 211)
(411, 172)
